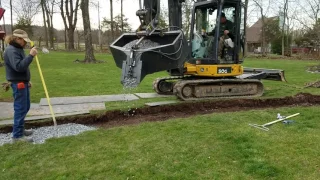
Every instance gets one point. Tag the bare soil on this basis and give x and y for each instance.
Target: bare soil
(182, 110)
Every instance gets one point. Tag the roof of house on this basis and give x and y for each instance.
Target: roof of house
(254, 32)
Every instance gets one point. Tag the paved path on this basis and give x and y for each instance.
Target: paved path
(67, 105)
(88, 99)
(151, 95)
(10, 122)
(6, 109)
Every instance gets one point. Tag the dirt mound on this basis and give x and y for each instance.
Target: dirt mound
(185, 109)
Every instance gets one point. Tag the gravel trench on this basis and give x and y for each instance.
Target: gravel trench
(40, 135)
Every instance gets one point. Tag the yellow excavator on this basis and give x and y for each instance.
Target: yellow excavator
(204, 65)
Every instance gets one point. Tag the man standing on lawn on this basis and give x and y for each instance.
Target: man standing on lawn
(18, 74)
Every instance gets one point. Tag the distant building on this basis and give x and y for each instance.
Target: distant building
(254, 34)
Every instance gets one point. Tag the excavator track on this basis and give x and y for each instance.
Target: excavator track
(189, 90)
(192, 89)
(165, 85)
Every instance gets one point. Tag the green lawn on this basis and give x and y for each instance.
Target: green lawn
(65, 78)
(216, 146)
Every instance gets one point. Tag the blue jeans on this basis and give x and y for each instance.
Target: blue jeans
(21, 107)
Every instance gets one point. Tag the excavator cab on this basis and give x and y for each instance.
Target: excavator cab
(220, 47)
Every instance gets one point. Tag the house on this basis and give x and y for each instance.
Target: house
(2, 32)
(253, 36)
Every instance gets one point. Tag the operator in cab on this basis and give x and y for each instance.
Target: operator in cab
(226, 33)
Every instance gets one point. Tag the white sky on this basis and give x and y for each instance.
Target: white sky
(130, 7)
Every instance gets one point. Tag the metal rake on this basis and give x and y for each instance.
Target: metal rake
(264, 126)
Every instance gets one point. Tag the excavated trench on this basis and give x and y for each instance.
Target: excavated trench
(187, 109)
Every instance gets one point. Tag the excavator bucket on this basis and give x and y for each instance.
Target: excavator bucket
(260, 73)
(140, 56)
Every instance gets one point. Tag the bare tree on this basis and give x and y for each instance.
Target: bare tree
(25, 12)
(246, 4)
(79, 36)
(43, 3)
(26, 9)
(121, 3)
(49, 7)
(284, 17)
(310, 21)
(111, 18)
(89, 56)
(69, 14)
(311, 9)
(260, 5)
(187, 9)
(11, 16)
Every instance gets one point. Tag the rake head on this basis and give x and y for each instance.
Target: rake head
(262, 127)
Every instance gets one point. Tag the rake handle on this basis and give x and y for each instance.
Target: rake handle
(45, 89)
(281, 119)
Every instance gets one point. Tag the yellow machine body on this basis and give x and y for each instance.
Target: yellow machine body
(221, 70)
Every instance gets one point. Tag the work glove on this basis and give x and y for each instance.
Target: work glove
(6, 86)
(33, 51)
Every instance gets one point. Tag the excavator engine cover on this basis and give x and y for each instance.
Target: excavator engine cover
(140, 56)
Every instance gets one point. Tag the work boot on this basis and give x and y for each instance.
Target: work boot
(22, 139)
(28, 132)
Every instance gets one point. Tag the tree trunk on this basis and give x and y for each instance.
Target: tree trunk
(263, 50)
(51, 33)
(99, 34)
(69, 14)
(111, 16)
(245, 26)
(89, 57)
(44, 22)
(11, 17)
(186, 13)
(65, 39)
(50, 28)
(288, 42)
(121, 16)
(78, 40)
(283, 25)
(70, 32)
(263, 39)
(40, 39)
(282, 44)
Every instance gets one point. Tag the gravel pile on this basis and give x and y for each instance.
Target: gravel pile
(145, 44)
(129, 84)
(43, 133)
